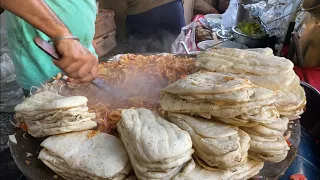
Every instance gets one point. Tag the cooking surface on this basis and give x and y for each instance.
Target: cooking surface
(34, 169)
(30, 166)
(307, 160)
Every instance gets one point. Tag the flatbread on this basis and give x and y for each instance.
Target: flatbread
(145, 172)
(157, 148)
(46, 130)
(237, 122)
(237, 61)
(173, 103)
(205, 128)
(47, 113)
(218, 144)
(264, 114)
(193, 171)
(73, 155)
(263, 131)
(259, 138)
(207, 83)
(281, 125)
(267, 50)
(46, 100)
(71, 114)
(60, 167)
(271, 130)
(272, 82)
(148, 133)
(275, 159)
(254, 93)
(278, 145)
(292, 98)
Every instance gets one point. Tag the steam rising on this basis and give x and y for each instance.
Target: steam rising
(160, 42)
(135, 81)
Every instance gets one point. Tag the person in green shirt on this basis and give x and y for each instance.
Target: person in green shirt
(60, 21)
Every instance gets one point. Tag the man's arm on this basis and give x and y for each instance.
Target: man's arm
(77, 62)
(38, 14)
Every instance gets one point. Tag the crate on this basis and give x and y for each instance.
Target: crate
(104, 22)
(105, 43)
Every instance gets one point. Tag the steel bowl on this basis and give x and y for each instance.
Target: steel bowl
(224, 34)
(250, 41)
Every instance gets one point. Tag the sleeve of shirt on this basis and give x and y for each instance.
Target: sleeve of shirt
(202, 6)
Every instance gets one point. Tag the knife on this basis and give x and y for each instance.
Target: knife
(51, 51)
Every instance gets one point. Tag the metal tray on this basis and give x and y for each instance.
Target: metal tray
(34, 169)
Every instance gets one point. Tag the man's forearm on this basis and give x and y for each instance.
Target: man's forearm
(38, 14)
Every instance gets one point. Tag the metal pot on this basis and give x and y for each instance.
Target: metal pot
(250, 41)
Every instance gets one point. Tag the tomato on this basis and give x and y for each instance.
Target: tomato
(288, 142)
(298, 176)
(24, 127)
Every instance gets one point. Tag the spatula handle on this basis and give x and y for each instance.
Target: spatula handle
(47, 47)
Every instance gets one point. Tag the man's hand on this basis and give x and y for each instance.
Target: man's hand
(76, 61)
(214, 11)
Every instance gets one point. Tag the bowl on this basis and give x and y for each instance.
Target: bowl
(228, 44)
(250, 41)
(224, 34)
(212, 16)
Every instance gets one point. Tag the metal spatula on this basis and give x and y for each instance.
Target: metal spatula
(51, 51)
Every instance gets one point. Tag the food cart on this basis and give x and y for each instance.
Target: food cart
(141, 78)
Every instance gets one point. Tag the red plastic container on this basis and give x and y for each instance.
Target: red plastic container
(309, 75)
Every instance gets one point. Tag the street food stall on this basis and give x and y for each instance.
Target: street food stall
(221, 105)
(196, 98)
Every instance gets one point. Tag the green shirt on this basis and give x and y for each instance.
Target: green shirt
(32, 65)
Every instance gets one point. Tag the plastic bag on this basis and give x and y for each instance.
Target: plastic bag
(187, 36)
(272, 15)
(276, 27)
(11, 93)
(256, 9)
(229, 18)
(3, 43)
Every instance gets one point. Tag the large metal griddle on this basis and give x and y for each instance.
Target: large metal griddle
(31, 166)
(34, 169)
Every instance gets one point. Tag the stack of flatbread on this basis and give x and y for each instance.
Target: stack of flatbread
(267, 142)
(221, 97)
(269, 71)
(86, 155)
(47, 113)
(157, 148)
(216, 144)
(193, 171)
(253, 112)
